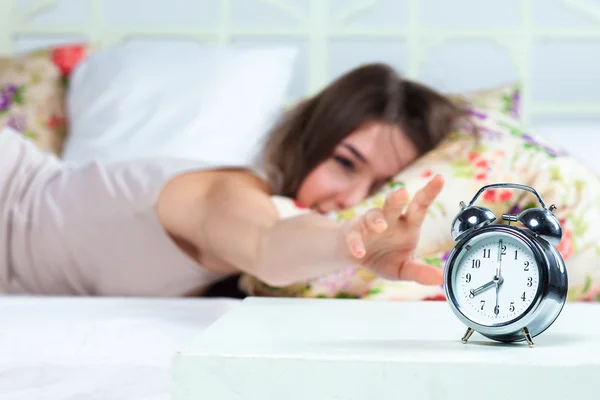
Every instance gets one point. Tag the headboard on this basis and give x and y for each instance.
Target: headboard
(551, 46)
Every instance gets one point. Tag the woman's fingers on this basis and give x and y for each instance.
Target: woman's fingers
(354, 239)
(417, 209)
(394, 204)
(374, 221)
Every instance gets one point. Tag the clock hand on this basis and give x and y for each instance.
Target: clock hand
(499, 265)
(482, 288)
(496, 309)
(498, 278)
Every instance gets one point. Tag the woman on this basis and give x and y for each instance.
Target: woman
(172, 228)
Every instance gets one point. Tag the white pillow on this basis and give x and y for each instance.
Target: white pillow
(185, 100)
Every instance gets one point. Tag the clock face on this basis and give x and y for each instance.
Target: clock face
(496, 279)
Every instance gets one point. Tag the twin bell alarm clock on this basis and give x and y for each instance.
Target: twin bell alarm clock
(505, 281)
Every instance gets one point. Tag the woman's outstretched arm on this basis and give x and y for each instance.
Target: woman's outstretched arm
(241, 226)
(235, 221)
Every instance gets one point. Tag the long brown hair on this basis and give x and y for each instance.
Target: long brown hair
(308, 133)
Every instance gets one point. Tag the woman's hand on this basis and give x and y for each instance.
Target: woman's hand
(383, 240)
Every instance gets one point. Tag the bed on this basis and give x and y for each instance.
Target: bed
(96, 348)
(115, 348)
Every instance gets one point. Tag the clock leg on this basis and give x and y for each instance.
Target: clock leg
(467, 335)
(528, 337)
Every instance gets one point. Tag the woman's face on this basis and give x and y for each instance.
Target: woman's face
(359, 166)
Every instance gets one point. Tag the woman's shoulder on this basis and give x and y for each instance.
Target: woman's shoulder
(189, 202)
(194, 185)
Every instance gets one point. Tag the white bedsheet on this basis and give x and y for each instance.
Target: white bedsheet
(96, 348)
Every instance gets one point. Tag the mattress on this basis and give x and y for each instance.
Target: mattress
(96, 348)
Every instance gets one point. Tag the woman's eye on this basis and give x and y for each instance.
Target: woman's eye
(344, 162)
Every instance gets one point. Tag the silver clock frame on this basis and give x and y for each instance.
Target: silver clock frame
(550, 296)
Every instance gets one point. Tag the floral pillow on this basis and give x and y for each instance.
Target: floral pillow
(504, 99)
(32, 93)
(503, 153)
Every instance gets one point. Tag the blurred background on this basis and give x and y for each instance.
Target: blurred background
(551, 48)
(540, 59)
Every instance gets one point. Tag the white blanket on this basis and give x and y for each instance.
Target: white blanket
(96, 348)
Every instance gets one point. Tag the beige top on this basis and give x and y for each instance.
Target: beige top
(88, 230)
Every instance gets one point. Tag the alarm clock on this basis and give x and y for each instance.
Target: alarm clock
(505, 281)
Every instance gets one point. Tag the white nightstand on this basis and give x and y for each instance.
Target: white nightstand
(350, 349)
